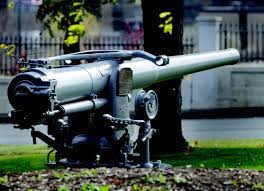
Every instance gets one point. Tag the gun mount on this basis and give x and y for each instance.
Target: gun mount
(101, 88)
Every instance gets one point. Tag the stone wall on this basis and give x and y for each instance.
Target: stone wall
(238, 86)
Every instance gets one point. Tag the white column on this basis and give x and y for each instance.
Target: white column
(5, 107)
(205, 84)
(208, 33)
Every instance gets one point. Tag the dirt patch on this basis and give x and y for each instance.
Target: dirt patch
(104, 179)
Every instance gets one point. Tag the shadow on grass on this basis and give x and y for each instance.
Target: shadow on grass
(245, 158)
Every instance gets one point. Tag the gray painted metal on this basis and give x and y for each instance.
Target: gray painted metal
(119, 104)
(80, 81)
(146, 73)
(72, 89)
(86, 105)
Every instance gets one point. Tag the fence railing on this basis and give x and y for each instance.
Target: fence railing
(249, 40)
(31, 48)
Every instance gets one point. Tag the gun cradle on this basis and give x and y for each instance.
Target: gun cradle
(86, 106)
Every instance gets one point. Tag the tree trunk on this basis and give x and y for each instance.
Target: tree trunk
(67, 49)
(3, 4)
(162, 22)
(70, 48)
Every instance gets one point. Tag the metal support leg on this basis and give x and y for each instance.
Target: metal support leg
(146, 155)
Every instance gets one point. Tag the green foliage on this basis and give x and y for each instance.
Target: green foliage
(63, 176)
(89, 172)
(86, 171)
(135, 187)
(148, 179)
(63, 188)
(3, 179)
(179, 180)
(10, 5)
(68, 176)
(258, 186)
(8, 49)
(234, 183)
(202, 165)
(68, 16)
(158, 178)
(91, 187)
(162, 179)
(75, 32)
(39, 178)
(104, 188)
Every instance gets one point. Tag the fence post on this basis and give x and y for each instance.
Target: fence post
(208, 33)
(205, 85)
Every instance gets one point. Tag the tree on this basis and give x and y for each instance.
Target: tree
(68, 16)
(162, 22)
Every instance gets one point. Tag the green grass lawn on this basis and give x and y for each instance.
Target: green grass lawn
(22, 158)
(242, 153)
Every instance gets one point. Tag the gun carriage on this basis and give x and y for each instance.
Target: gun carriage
(116, 128)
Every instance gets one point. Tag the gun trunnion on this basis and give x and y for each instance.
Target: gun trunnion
(102, 87)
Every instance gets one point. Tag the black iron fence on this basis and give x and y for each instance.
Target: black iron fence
(30, 48)
(249, 40)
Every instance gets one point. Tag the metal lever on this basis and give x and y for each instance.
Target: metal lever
(148, 135)
(145, 134)
(120, 121)
(101, 54)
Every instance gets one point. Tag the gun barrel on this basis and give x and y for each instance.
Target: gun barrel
(33, 88)
(146, 74)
